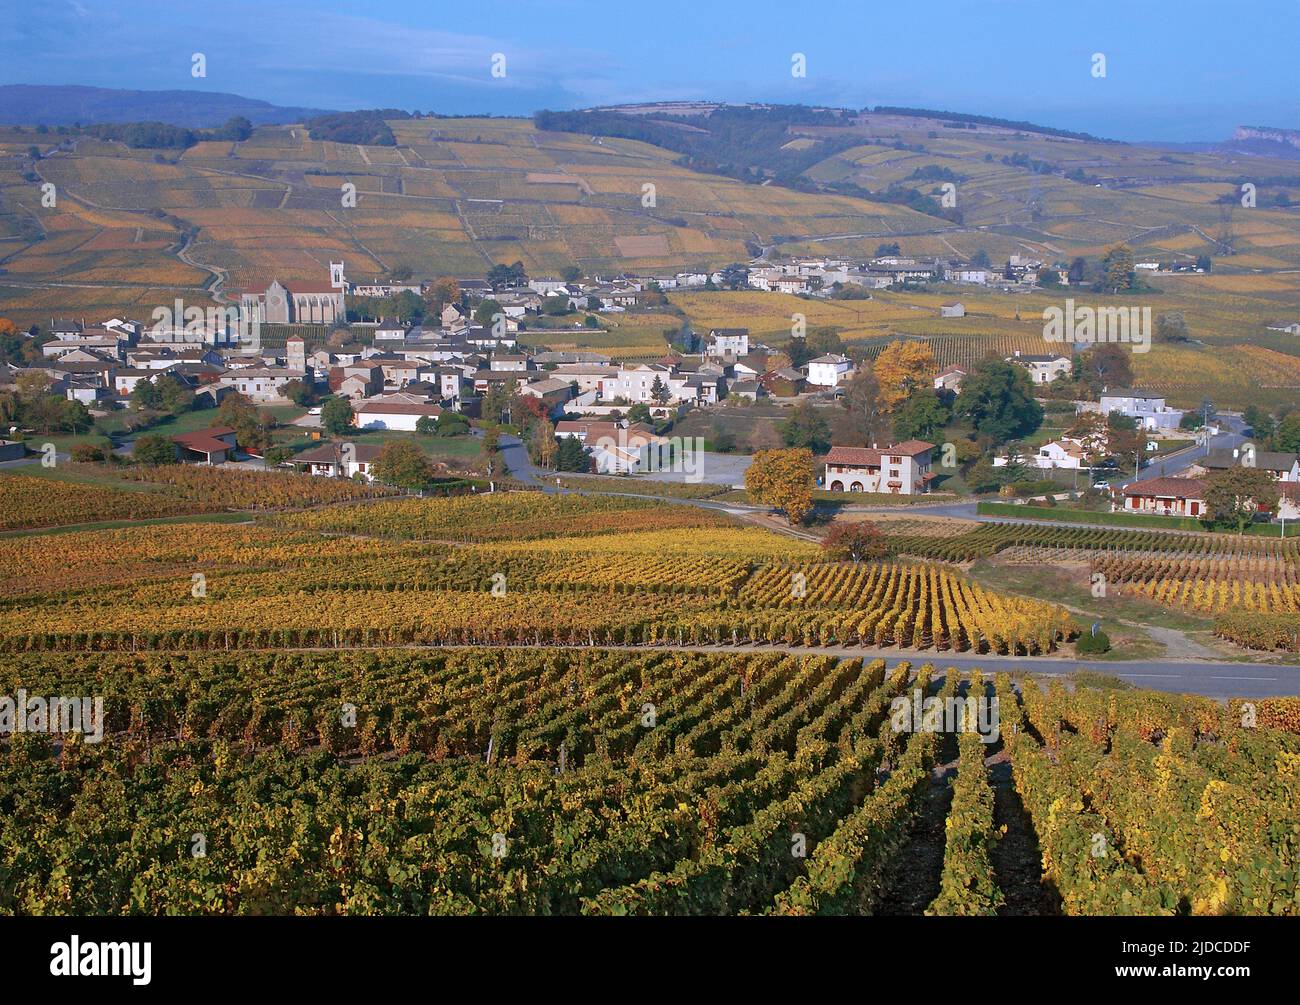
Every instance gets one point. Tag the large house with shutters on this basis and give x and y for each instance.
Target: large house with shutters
(902, 469)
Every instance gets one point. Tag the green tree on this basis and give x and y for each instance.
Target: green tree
(145, 396)
(1287, 436)
(997, 398)
(174, 397)
(336, 416)
(1108, 365)
(920, 417)
(1236, 495)
(452, 424)
(426, 425)
(806, 428)
(571, 456)
(487, 312)
(154, 450)
(825, 340)
(659, 391)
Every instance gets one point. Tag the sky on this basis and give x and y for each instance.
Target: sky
(1175, 70)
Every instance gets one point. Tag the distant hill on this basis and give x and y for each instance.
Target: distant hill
(64, 105)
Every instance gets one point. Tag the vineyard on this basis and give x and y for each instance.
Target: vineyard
(1047, 541)
(494, 781)
(144, 493)
(252, 587)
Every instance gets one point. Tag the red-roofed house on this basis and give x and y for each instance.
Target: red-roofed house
(215, 445)
(1169, 496)
(903, 469)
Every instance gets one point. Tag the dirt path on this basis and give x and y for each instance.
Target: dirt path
(1017, 859)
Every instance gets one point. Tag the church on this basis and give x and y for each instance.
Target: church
(297, 303)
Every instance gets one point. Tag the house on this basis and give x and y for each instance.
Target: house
(950, 379)
(381, 413)
(750, 390)
(1148, 409)
(1043, 369)
(953, 310)
(901, 469)
(1168, 496)
(1062, 453)
(214, 445)
(392, 331)
(262, 383)
(553, 391)
(728, 342)
(829, 370)
(615, 447)
(636, 383)
(969, 274)
(510, 361)
(786, 382)
(1282, 466)
(340, 460)
(586, 376)
(699, 387)
(1289, 327)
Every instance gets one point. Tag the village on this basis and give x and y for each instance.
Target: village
(472, 362)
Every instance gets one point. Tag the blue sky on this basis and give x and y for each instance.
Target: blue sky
(1189, 70)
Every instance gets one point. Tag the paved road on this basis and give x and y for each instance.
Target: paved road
(515, 456)
(1180, 460)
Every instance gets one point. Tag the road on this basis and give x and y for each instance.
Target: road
(1180, 460)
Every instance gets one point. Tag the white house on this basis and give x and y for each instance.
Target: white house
(903, 469)
(1042, 369)
(728, 342)
(829, 370)
(378, 413)
(1148, 409)
(261, 383)
(950, 379)
(953, 310)
(340, 460)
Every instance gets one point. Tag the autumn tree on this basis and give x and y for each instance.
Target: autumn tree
(1118, 270)
(901, 368)
(860, 541)
(441, 292)
(782, 479)
(1236, 495)
(403, 464)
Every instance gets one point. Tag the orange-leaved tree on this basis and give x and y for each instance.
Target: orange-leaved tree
(784, 479)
